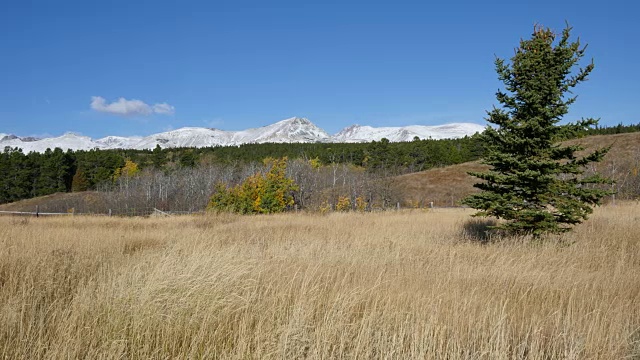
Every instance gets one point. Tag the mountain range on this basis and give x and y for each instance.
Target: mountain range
(292, 130)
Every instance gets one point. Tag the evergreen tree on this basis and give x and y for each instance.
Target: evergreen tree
(55, 172)
(16, 175)
(534, 183)
(5, 171)
(188, 159)
(79, 182)
(158, 157)
(99, 166)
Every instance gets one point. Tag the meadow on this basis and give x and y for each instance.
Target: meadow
(395, 285)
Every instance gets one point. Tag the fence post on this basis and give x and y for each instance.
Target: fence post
(398, 205)
(37, 211)
(109, 212)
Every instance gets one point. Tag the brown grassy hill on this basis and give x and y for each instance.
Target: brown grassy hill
(80, 202)
(448, 185)
(624, 146)
(442, 186)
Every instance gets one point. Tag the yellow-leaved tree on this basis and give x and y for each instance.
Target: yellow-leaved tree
(261, 193)
(128, 170)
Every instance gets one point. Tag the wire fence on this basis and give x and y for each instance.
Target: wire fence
(152, 211)
(127, 212)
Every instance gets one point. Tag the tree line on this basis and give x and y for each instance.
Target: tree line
(24, 176)
(611, 130)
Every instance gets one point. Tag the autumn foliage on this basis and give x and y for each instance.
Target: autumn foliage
(128, 170)
(261, 193)
(343, 204)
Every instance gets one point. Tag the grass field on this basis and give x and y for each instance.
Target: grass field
(385, 285)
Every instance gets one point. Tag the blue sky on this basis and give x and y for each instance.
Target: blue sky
(79, 65)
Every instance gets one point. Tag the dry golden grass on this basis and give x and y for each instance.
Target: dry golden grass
(385, 285)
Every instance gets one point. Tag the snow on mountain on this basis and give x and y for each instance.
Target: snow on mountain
(289, 130)
(358, 133)
(66, 141)
(184, 137)
(118, 142)
(286, 131)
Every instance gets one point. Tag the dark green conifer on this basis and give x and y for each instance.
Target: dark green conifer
(158, 157)
(536, 184)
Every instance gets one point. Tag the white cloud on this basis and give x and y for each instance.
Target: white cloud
(124, 107)
(164, 109)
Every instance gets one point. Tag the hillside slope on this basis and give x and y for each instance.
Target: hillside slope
(448, 185)
(79, 202)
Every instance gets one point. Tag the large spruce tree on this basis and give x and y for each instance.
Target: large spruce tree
(536, 184)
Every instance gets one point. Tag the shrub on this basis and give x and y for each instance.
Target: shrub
(343, 204)
(261, 193)
(361, 204)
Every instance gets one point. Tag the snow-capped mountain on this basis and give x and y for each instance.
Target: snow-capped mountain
(289, 130)
(118, 142)
(66, 141)
(358, 133)
(286, 131)
(184, 137)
